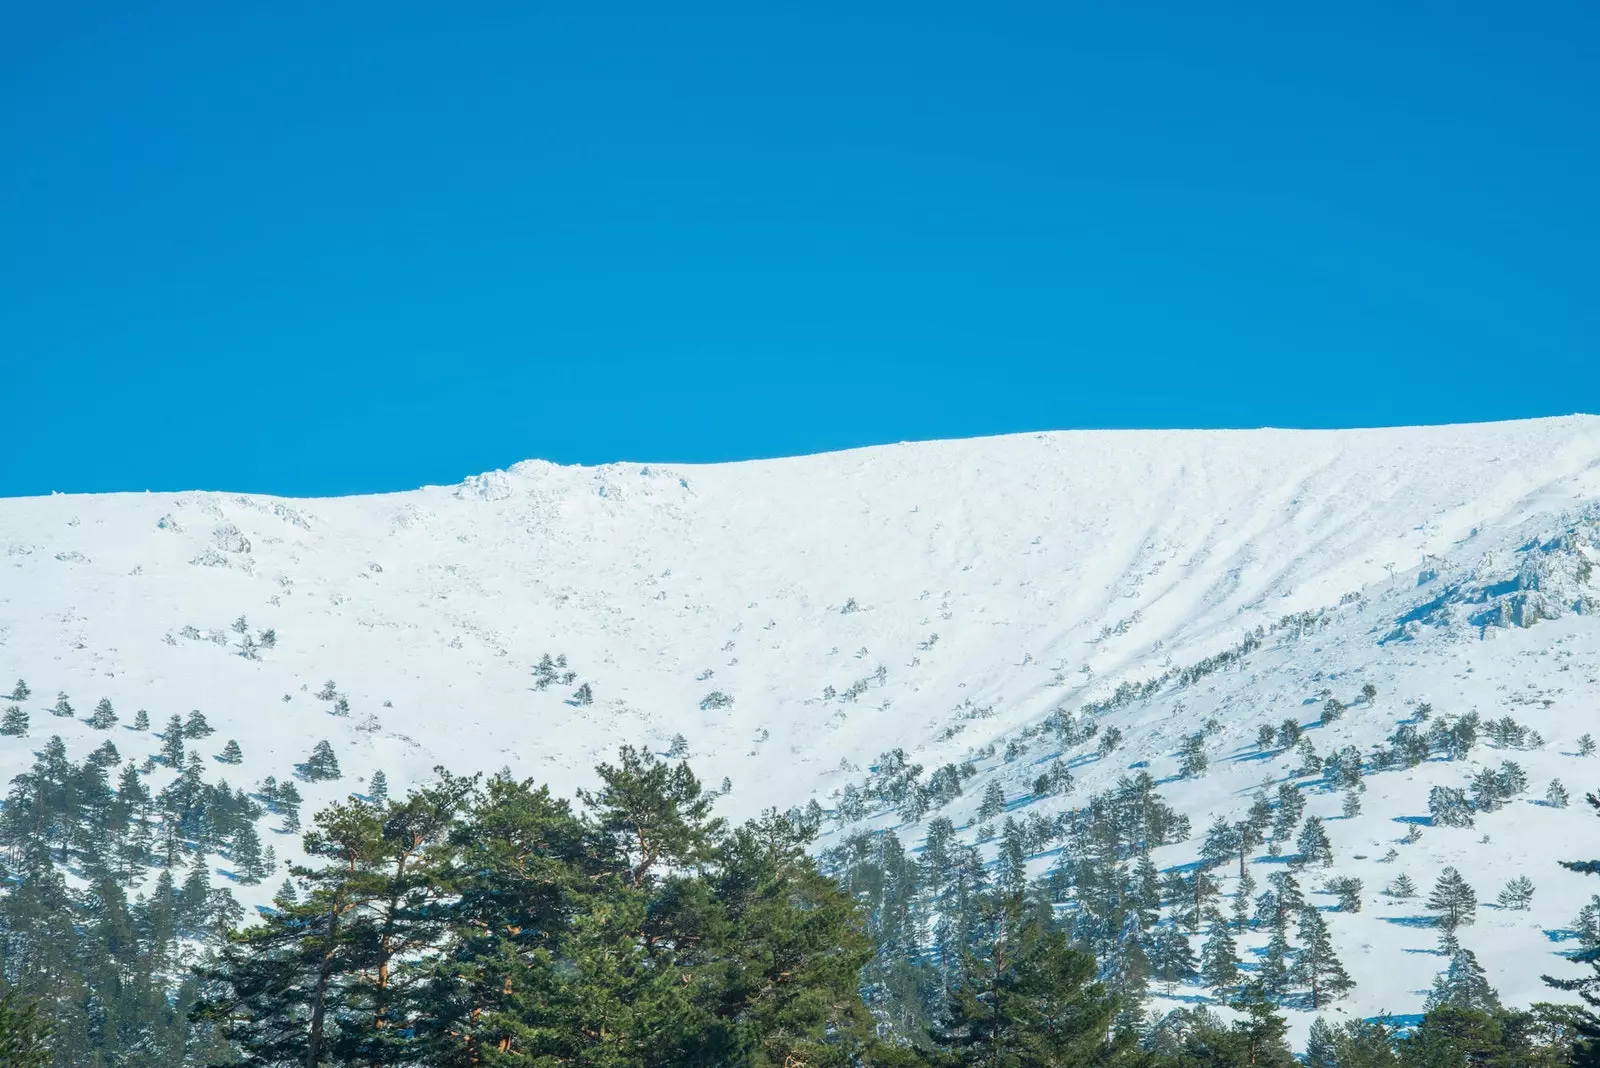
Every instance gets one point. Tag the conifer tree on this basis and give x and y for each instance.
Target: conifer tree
(1219, 960)
(1402, 888)
(172, 742)
(63, 707)
(196, 726)
(1463, 985)
(321, 765)
(1517, 895)
(104, 716)
(247, 857)
(21, 692)
(231, 753)
(1316, 965)
(1171, 957)
(1312, 844)
(1556, 795)
(15, 722)
(1585, 741)
(993, 802)
(1454, 901)
(1273, 975)
(378, 788)
(141, 720)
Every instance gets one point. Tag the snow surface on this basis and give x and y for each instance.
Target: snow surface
(992, 580)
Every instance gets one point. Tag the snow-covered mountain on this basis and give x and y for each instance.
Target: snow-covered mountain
(792, 619)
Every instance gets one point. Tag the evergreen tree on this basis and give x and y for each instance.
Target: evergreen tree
(104, 716)
(1171, 957)
(1463, 985)
(21, 692)
(583, 695)
(1556, 795)
(196, 726)
(1027, 997)
(247, 856)
(24, 1038)
(1585, 741)
(321, 765)
(1454, 900)
(63, 707)
(993, 802)
(15, 722)
(141, 720)
(1312, 843)
(231, 753)
(1517, 895)
(1274, 975)
(378, 788)
(1316, 965)
(172, 742)
(1449, 807)
(288, 796)
(1192, 760)
(1219, 961)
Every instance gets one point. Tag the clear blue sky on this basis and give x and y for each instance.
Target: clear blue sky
(317, 248)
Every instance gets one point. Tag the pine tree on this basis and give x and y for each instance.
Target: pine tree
(1463, 985)
(1454, 900)
(378, 788)
(63, 707)
(24, 1037)
(321, 765)
(1517, 895)
(196, 726)
(1316, 965)
(1273, 975)
(1219, 961)
(141, 720)
(1171, 957)
(20, 692)
(583, 695)
(1448, 807)
(993, 802)
(1348, 889)
(1192, 760)
(1312, 844)
(231, 753)
(1585, 741)
(104, 716)
(1555, 795)
(1352, 805)
(15, 723)
(678, 748)
(289, 805)
(172, 742)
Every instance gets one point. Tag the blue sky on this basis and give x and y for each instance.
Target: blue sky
(310, 248)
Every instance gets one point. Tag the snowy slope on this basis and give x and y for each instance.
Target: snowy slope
(1016, 574)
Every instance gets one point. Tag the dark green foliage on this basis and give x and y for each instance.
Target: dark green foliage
(141, 720)
(104, 717)
(1454, 901)
(196, 726)
(231, 753)
(21, 692)
(24, 1038)
(320, 766)
(15, 722)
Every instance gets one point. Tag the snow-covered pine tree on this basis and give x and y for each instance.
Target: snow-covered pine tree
(1454, 901)
(231, 753)
(1316, 965)
(172, 742)
(15, 722)
(1585, 741)
(378, 788)
(1449, 807)
(1402, 888)
(196, 726)
(63, 707)
(141, 720)
(583, 695)
(21, 692)
(1312, 844)
(104, 717)
(1555, 795)
(1171, 957)
(1463, 985)
(993, 802)
(1219, 961)
(1517, 895)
